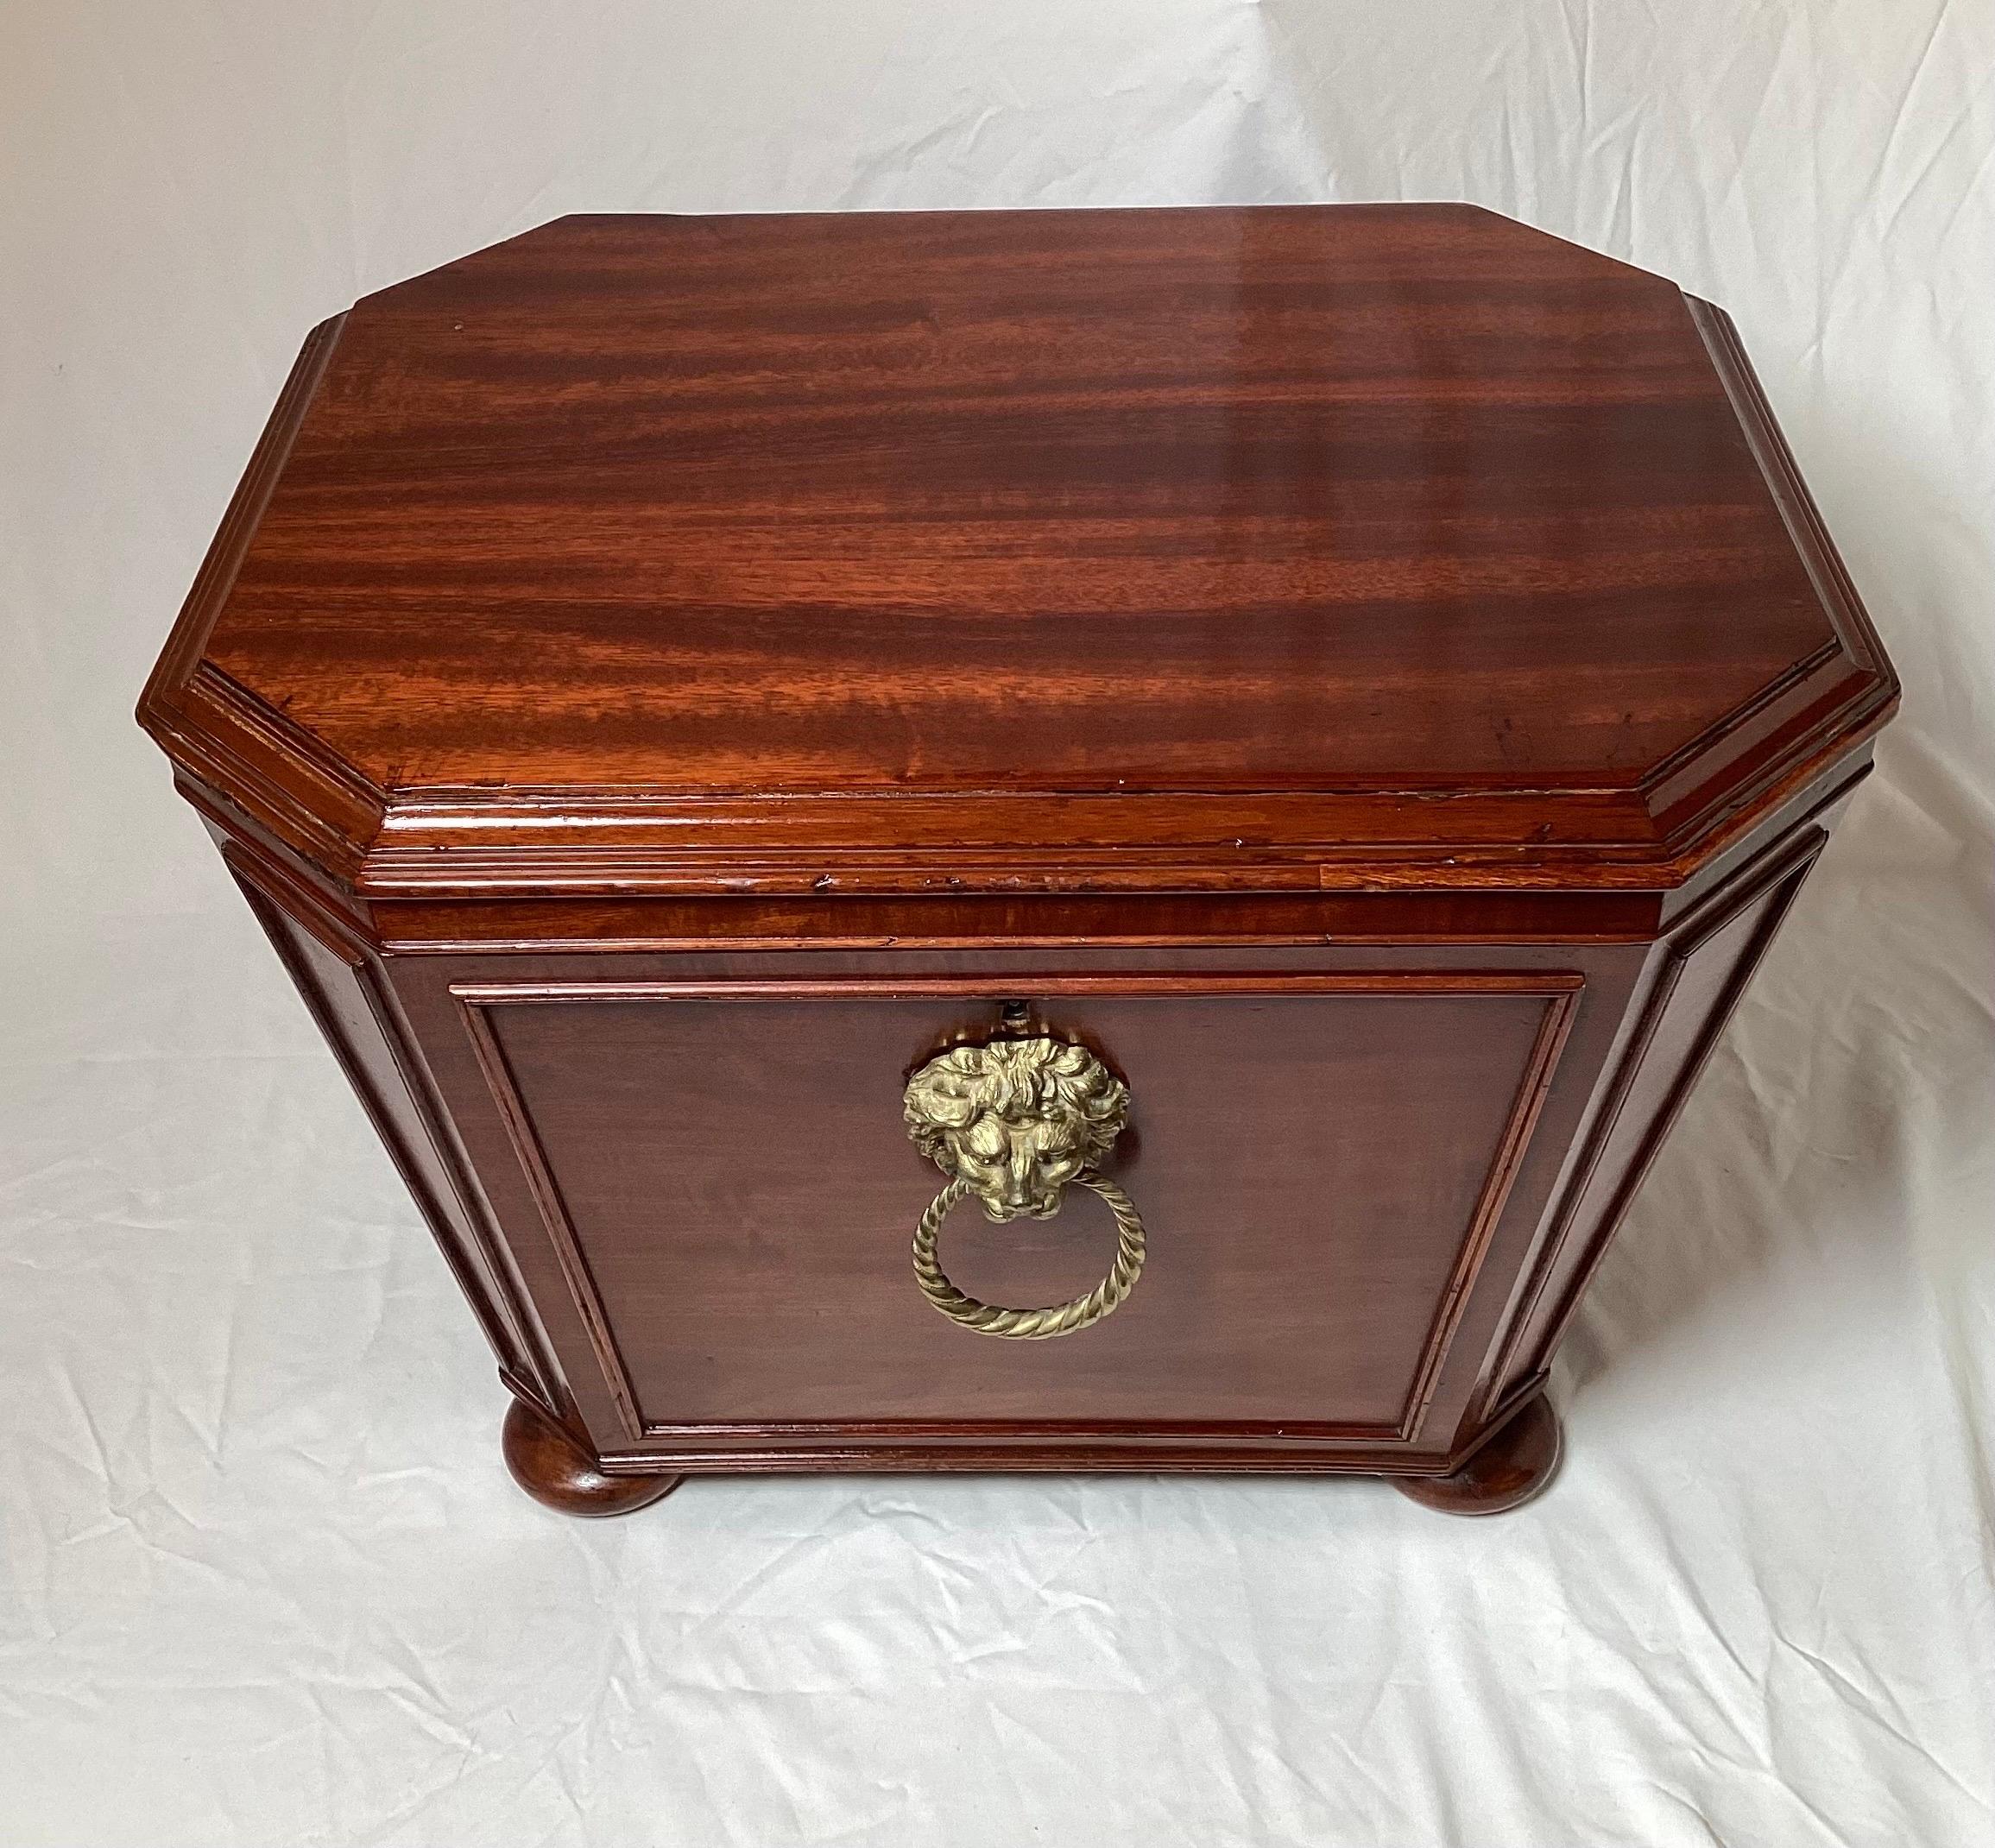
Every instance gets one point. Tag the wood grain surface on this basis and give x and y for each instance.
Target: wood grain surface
(1371, 673)
(1188, 549)
(734, 1189)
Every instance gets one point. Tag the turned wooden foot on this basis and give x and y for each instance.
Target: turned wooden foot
(559, 1473)
(1507, 1472)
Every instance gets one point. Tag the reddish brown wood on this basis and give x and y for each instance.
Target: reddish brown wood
(745, 1259)
(731, 553)
(417, 927)
(559, 1474)
(343, 985)
(1508, 1470)
(1374, 674)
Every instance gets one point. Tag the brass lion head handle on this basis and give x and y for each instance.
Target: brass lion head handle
(1012, 1123)
(1016, 1119)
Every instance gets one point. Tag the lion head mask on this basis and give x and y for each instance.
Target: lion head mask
(1016, 1119)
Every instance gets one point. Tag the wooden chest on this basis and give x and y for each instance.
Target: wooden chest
(1257, 747)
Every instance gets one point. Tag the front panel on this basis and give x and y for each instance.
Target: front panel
(717, 1169)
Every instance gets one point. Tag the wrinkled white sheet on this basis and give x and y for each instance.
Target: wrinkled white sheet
(264, 1579)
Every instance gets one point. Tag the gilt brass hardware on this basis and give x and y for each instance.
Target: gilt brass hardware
(1012, 1124)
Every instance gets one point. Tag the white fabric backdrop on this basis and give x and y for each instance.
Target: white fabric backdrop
(264, 1579)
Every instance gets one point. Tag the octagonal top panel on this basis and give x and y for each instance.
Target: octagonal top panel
(1220, 547)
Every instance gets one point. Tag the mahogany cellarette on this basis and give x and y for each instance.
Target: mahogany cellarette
(996, 840)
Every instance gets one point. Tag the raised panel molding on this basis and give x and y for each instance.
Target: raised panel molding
(340, 984)
(902, 1443)
(1698, 972)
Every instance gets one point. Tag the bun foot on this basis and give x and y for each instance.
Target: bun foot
(1514, 1466)
(559, 1473)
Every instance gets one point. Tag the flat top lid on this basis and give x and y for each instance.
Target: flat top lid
(1220, 535)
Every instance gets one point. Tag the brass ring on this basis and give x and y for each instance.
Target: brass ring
(1031, 1325)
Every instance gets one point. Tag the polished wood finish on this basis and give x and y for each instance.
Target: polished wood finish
(1515, 1466)
(1372, 674)
(745, 1260)
(559, 1474)
(1276, 549)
